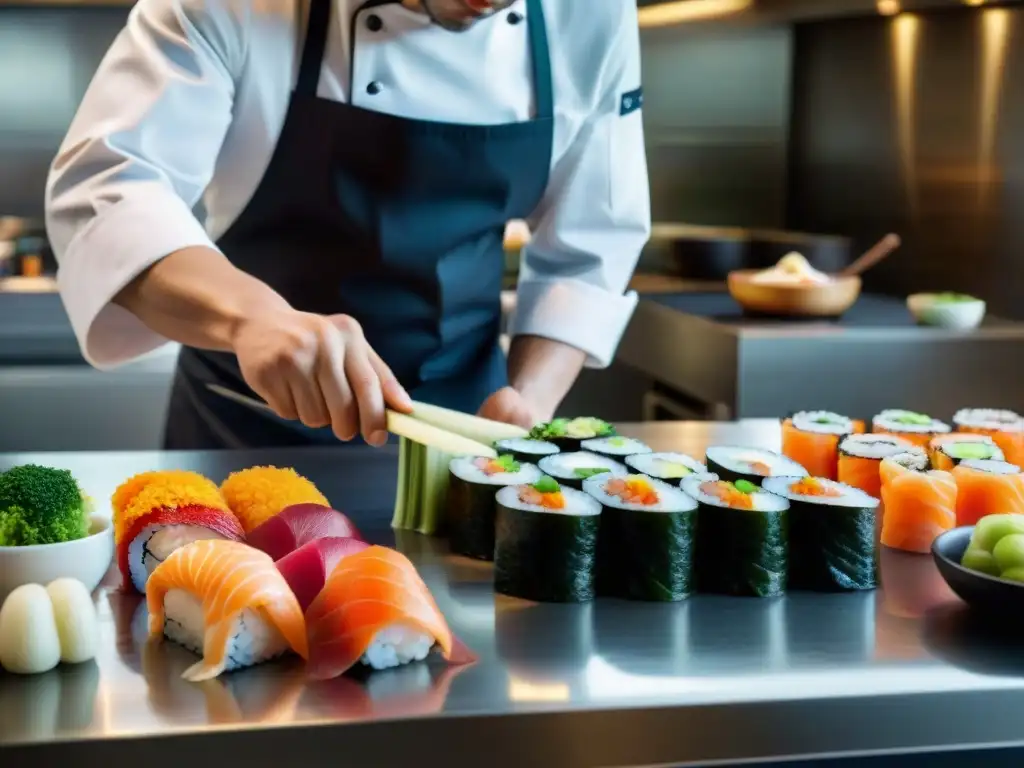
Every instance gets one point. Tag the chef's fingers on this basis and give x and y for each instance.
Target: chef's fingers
(278, 396)
(394, 393)
(334, 385)
(369, 398)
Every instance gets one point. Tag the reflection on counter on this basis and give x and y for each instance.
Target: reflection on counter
(61, 702)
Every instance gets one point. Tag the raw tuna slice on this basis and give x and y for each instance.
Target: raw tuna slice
(307, 568)
(298, 525)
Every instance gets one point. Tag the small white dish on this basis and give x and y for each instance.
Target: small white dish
(962, 314)
(84, 559)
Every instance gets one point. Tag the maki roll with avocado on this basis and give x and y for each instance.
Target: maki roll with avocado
(750, 464)
(645, 547)
(545, 546)
(571, 469)
(861, 455)
(946, 451)
(916, 428)
(811, 438)
(670, 467)
(471, 502)
(616, 447)
(987, 487)
(742, 543)
(525, 449)
(832, 542)
(568, 434)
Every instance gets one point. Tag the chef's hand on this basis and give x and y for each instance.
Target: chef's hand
(320, 370)
(509, 406)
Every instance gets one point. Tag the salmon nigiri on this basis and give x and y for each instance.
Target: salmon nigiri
(919, 504)
(227, 601)
(376, 609)
(987, 487)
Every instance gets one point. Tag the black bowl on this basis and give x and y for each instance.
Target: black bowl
(978, 590)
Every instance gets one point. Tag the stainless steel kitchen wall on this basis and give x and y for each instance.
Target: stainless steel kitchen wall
(47, 58)
(915, 124)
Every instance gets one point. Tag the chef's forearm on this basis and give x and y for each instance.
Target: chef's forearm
(195, 296)
(543, 371)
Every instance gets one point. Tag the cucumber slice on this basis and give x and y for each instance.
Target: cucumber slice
(472, 427)
(427, 434)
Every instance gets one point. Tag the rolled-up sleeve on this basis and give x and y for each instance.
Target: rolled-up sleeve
(139, 153)
(595, 219)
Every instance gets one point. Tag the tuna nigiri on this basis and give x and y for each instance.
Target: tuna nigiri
(227, 601)
(307, 568)
(987, 488)
(297, 525)
(919, 504)
(811, 439)
(375, 609)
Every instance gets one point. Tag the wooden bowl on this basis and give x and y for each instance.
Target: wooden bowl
(826, 300)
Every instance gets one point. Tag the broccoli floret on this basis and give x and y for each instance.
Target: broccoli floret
(41, 505)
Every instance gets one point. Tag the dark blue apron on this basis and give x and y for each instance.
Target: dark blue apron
(396, 222)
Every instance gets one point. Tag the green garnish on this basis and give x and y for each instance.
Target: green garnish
(969, 450)
(830, 419)
(673, 469)
(914, 419)
(547, 485)
(507, 463)
(745, 486)
(554, 428)
(618, 442)
(952, 298)
(584, 472)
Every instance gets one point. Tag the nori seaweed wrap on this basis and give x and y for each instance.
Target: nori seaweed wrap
(742, 538)
(525, 449)
(567, 434)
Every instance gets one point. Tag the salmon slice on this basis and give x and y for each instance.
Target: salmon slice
(861, 473)
(230, 580)
(983, 493)
(817, 452)
(376, 607)
(918, 506)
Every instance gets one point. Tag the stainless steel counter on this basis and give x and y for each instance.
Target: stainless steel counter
(610, 684)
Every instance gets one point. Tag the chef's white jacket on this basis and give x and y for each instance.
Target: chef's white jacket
(190, 100)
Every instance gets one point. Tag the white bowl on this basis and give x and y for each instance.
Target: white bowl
(954, 315)
(84, 559)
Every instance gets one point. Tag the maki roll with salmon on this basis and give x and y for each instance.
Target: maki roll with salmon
(525, 449)
(987, 487)
(568, 434)
(545, 543)
(742, 545)
(616, 447)
(919, 504)
(750, 464)
(946, 451)
(670, 467)
(811, 439)
(916, 428)
(571, 469)
(861, 455)
(1005, 427)
(645, 544)
(471, 500)
(832, 544)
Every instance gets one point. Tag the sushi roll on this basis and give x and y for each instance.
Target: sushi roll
(227, 602)
(1005, 427)
(617, 447)
(832, 544)
(750, 464)
(860, 456)
(811, 439)
(571, 469)
(645, 544)
(916, 428)
(158, 512)
(545, 543)
(987, 487)
(742, 543)
(919, 504)
(375, 611)
(525, 449)
(946, 451)
(670, 467)
(568, 434)
(471, 500)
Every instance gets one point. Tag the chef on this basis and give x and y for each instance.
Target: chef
(357, 162)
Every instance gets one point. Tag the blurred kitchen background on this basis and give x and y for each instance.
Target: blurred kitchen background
(843, 118)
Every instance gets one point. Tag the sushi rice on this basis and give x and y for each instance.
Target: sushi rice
(526, 448)
(465, 468)
(616, 446)
(874, 446)
(914, 459)
(843, 495)
(155, 542)
(762, 501)
(823, 423)
(908, 422)
(666, 465)
(750, 463)
(992, 419)
(670, 498)
(991, 467)
(573, 468)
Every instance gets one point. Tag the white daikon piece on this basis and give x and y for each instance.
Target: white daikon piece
(29, 643)
(77, 625)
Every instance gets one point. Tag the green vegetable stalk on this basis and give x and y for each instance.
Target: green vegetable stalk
(997, 547)
(41, 505)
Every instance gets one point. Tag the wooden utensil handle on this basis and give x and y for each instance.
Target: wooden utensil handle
(880, 250)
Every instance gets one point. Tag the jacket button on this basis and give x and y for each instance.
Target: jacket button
(514, 18)
(374, 88)
(374, 23)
